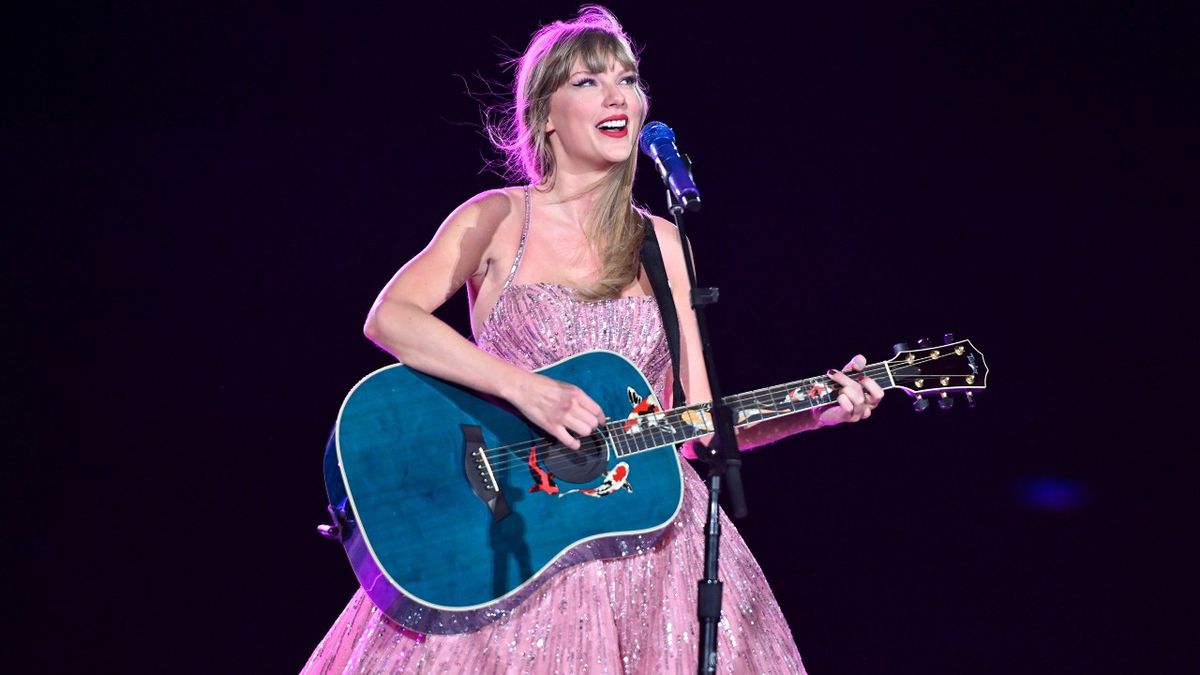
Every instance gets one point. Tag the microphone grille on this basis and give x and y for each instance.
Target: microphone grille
(652, 132)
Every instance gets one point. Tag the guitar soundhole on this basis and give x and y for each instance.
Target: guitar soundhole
(577, 466)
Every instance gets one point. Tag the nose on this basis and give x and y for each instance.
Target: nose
(614, 96)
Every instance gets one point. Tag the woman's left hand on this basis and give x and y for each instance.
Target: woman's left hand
(858, 397)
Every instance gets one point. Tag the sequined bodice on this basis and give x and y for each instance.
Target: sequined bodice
(535, 325)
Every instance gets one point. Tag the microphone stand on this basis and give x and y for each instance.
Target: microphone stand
(724, 461)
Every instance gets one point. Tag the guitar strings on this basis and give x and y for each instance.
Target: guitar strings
(553, 447)
(507, 456)
(503, 457)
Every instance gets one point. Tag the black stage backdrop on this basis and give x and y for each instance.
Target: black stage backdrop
(202, 204)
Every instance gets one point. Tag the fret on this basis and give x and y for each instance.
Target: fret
(617, 442)
(643, 442)
(891, 379)
(623, 442)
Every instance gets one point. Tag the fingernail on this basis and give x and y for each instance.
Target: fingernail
(831, 371)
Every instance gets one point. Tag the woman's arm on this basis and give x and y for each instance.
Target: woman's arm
(402, 322)
(855, 402)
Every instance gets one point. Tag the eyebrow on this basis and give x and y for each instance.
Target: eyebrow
(622, 71)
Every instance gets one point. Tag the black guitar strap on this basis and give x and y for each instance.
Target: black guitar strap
(652, 260)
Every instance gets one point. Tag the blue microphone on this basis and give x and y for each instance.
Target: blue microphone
(658, 142)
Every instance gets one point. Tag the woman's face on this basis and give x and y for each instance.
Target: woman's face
(595, 118)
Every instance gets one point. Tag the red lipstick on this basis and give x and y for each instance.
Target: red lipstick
(616, 126)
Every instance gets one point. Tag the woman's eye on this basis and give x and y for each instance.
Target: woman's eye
(587, 81)
(630, 79)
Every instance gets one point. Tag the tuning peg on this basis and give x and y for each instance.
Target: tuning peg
(970, 399)
(923, 343)
(945, 402)
(899, 347)
(920, 405)
(947, 338)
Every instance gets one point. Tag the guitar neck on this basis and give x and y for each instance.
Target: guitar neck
(677, 425)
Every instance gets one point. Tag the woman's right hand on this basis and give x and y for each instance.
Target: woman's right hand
(560, 409)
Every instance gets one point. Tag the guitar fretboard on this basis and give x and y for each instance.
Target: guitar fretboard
(657, 428)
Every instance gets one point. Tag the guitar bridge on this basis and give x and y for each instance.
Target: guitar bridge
(479, 473)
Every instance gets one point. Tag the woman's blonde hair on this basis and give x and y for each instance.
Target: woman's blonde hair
(615, 226)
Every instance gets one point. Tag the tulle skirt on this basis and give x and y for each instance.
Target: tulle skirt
(626, 615)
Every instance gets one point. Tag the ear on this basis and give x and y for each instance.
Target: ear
(549, 125)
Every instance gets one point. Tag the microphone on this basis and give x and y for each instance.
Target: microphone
(658, 142)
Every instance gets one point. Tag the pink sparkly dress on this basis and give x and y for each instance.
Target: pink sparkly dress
(628, 615)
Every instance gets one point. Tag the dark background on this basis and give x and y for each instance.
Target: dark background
(202, 204)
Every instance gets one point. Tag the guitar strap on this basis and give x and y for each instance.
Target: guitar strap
(653, 262)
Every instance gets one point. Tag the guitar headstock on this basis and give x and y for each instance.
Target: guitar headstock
(934, 372)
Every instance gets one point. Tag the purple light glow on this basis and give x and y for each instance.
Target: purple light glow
(1047, 493)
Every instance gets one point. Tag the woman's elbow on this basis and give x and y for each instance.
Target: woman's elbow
(375, 327)
(371, 327)
(390, 325)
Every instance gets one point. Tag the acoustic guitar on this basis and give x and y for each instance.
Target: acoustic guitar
(453, 508)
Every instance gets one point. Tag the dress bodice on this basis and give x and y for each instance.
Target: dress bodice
(535, 325)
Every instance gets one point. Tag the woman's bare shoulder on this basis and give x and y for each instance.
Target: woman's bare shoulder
(488, 210)
(480, 227)
(665, 228)
(671, 245)
(668, 237)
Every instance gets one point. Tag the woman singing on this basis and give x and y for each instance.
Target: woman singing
(552, 268)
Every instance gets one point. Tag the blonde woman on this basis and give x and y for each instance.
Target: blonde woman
(552, 268)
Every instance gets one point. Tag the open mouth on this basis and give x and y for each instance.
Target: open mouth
(615, 127)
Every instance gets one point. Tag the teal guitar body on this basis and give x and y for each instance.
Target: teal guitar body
(453, 508)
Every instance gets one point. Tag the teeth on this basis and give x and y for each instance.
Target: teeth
(612, 124)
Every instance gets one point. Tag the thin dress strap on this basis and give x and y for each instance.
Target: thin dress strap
(520, 247)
